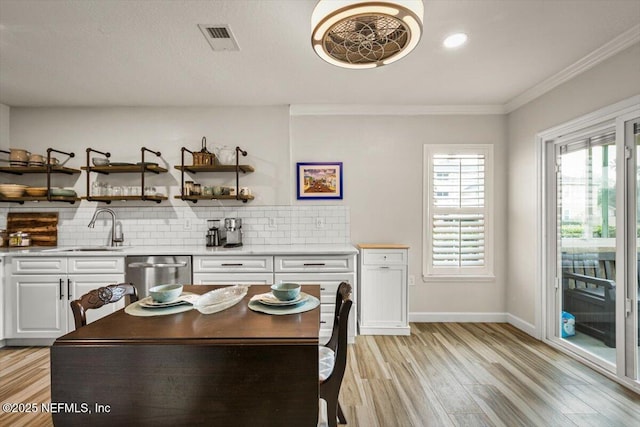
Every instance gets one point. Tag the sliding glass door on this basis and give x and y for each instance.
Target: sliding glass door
(592, 217)
(586, 245)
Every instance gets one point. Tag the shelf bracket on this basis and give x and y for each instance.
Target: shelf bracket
(89, 151)
(49, 166)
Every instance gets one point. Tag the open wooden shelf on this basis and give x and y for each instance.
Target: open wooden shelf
(195, 199)
(23, 199)
(214, 168)
(124, 169)
(109, 199)
(20, 170)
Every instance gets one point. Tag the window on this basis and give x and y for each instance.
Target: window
(458, 212)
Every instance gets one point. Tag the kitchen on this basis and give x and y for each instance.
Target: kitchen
(378, 138)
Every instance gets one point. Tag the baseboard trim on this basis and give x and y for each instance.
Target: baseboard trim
(454, 317)
(29, 342)
(405, 330)
(524, 326)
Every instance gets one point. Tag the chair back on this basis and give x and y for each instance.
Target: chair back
(99, 297)
(338, 340)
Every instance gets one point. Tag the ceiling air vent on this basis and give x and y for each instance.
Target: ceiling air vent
(219, 37)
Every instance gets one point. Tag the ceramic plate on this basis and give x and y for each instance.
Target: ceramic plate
(269, 299)
(184, 298)
(311, 303)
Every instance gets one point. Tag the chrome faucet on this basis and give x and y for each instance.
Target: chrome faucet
(116, 240)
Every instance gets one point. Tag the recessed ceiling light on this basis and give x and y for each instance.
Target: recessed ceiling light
(455, 40)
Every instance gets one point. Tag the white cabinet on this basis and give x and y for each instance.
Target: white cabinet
(328, 271)
(41, 289)
(233, 270)
(383, 290)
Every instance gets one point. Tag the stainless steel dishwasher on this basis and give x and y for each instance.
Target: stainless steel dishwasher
(148, 271)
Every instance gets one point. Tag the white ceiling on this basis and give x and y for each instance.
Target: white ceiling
(151, 53)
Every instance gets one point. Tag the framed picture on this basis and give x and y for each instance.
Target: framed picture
(319, 180)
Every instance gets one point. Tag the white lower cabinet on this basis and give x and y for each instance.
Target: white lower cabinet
(41, 289)
(383, 291)
(233, 270)
(328, 271)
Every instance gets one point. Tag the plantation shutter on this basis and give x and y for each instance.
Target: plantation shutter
(458, 210)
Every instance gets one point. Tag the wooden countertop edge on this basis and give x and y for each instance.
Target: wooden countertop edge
(381, 246)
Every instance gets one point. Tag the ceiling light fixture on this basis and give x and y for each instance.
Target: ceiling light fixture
(364, 33)
(455, 40)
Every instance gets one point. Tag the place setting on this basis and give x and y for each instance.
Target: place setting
(170, 299)
(284, 298)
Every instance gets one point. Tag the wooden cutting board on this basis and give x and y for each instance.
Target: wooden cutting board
(43, 227)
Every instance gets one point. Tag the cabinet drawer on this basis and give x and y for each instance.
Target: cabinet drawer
(384, 256)
(233, 278)
(314, 263)
(91, 265)
(38, 265)
(228, 264)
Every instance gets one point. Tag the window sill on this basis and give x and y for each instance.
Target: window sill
(459, 278)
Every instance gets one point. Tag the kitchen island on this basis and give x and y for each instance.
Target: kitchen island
(236, 367)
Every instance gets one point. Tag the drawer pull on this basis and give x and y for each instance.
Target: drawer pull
(157, 265)
(323, 321)
(314, 264)
(384, 267)
(68, 289)
(232, 264)
(323, 289)
(60, 282)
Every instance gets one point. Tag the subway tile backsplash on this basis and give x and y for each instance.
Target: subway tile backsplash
(177, 225)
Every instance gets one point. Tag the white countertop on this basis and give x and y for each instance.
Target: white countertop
(337, 249)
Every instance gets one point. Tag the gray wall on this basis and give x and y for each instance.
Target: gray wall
(616, 79)
(382, 158)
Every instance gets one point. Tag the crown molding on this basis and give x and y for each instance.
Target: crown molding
(391, 110)
(618, 44)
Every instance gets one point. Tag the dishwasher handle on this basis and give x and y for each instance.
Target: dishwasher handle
(157, 265)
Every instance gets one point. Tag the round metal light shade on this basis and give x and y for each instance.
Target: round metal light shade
(365, 34)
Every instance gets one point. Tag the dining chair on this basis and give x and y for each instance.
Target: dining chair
(333, 356)
(99, 297)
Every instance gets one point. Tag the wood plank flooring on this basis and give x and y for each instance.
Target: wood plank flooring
(444, 374)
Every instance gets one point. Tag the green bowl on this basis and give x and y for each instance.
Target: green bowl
(286, 291)
(165, 293)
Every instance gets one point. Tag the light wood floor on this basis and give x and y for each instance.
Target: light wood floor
(444, 374)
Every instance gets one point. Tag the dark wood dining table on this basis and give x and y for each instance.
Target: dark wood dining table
(236, 367)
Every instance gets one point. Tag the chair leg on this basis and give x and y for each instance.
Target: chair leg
(332, 417)
(341, 416)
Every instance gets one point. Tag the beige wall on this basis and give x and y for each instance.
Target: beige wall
(263, 132)
(382, 158)
(4, 126)
(613, 80)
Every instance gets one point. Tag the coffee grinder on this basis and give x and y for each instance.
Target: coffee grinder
(233, 228)
(215, 234)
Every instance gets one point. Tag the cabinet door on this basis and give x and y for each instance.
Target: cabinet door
(233, 278)
(80, 284)
(383, 295)
(39, 303)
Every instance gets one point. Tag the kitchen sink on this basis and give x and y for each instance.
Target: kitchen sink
(85, 249)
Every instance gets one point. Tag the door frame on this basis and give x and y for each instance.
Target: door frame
(545, 325)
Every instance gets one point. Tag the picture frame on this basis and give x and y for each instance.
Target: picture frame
(319, 180)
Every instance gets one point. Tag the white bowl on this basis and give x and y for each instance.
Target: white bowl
(165, 293)
(100, 161)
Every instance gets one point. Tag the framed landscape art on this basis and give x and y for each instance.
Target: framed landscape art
(319, 180)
